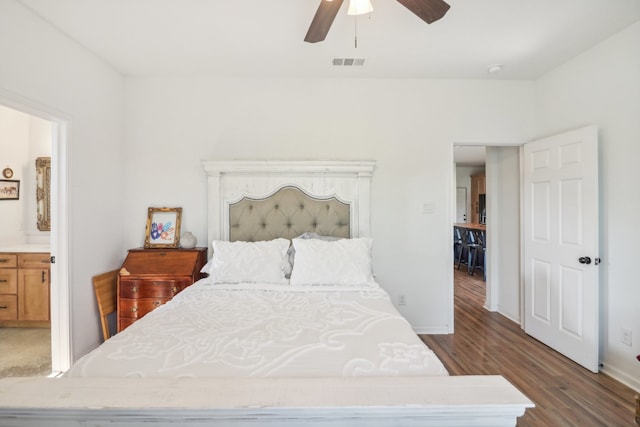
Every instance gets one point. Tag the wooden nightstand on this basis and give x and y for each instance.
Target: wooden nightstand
(151, 277)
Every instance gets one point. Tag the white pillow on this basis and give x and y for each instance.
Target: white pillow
(344, 262)
(291, 253)
(249, 262)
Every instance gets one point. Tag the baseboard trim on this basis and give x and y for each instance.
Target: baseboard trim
(431, 330)
(621, 376)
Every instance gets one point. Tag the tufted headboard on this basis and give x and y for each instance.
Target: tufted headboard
(287, 213)
(261, 200)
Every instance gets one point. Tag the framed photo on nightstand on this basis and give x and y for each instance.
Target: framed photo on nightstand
(163, 228)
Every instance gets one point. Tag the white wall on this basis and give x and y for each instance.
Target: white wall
(407, 126)
(602, 87)
(14, 154)
(43, 70)
(503, 237)
(23, 138)
(40, 142)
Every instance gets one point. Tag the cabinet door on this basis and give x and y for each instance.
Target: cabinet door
(477, 188)
(33, 294)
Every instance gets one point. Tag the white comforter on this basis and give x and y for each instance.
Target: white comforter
(265, 331)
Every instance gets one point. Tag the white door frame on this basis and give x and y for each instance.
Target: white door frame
(493, 238)
(60, 297)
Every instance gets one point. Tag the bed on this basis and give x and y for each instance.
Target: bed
(289, 327)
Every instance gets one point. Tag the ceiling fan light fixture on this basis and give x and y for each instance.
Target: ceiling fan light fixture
(359, 7)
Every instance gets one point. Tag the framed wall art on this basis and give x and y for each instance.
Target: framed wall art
(43, 193)
(9, 189)
(163, 228)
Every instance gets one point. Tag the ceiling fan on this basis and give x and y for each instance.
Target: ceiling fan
(427, 10)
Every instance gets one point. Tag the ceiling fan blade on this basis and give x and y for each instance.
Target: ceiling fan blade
(427, 10)
(322, 20)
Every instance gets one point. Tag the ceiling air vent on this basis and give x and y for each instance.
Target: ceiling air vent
(348, 62)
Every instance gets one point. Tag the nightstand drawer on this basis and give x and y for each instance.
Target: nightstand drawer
(8, 281)
(8, 307)
(8, 260)
(151, 288)
(136, 308)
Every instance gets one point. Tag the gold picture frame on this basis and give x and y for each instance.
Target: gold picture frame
(163, 228)
(43, 193)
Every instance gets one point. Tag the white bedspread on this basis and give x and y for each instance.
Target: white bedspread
(265, 331)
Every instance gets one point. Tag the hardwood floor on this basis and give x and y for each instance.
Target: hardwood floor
(565, 394)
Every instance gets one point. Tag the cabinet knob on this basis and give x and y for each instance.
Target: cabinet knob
(134, 289)
(134, 309)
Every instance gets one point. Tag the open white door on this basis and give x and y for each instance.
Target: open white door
(561, 285)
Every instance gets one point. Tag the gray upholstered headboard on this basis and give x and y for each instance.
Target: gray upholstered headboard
(287, 213)
(234, 186)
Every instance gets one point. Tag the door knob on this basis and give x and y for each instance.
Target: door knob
(584, 260)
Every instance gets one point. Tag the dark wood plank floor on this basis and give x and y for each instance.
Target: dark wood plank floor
(565, 394)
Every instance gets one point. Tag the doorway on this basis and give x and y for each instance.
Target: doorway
(57, 239)
(546, 191)
(499, 165)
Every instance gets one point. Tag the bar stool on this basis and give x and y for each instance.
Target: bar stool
(477, 250)
(469, 247)
(457, 243)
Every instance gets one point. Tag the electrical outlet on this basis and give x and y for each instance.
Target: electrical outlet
(625, 336)
(402, 300)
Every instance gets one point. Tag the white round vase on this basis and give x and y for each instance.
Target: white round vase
(188, 240)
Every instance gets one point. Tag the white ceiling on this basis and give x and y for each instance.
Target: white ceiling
(260, 38)
(467, 155)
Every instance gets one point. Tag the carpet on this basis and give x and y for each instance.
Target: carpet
(25, 352)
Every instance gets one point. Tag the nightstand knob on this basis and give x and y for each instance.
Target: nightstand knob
(134, 309)
(174, 289)
(156, 303)
(134, 289)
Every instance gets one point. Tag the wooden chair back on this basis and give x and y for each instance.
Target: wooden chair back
(104, 286)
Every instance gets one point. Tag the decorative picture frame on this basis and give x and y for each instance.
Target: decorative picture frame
(43, 193)
(163, 228)
(9, 189)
